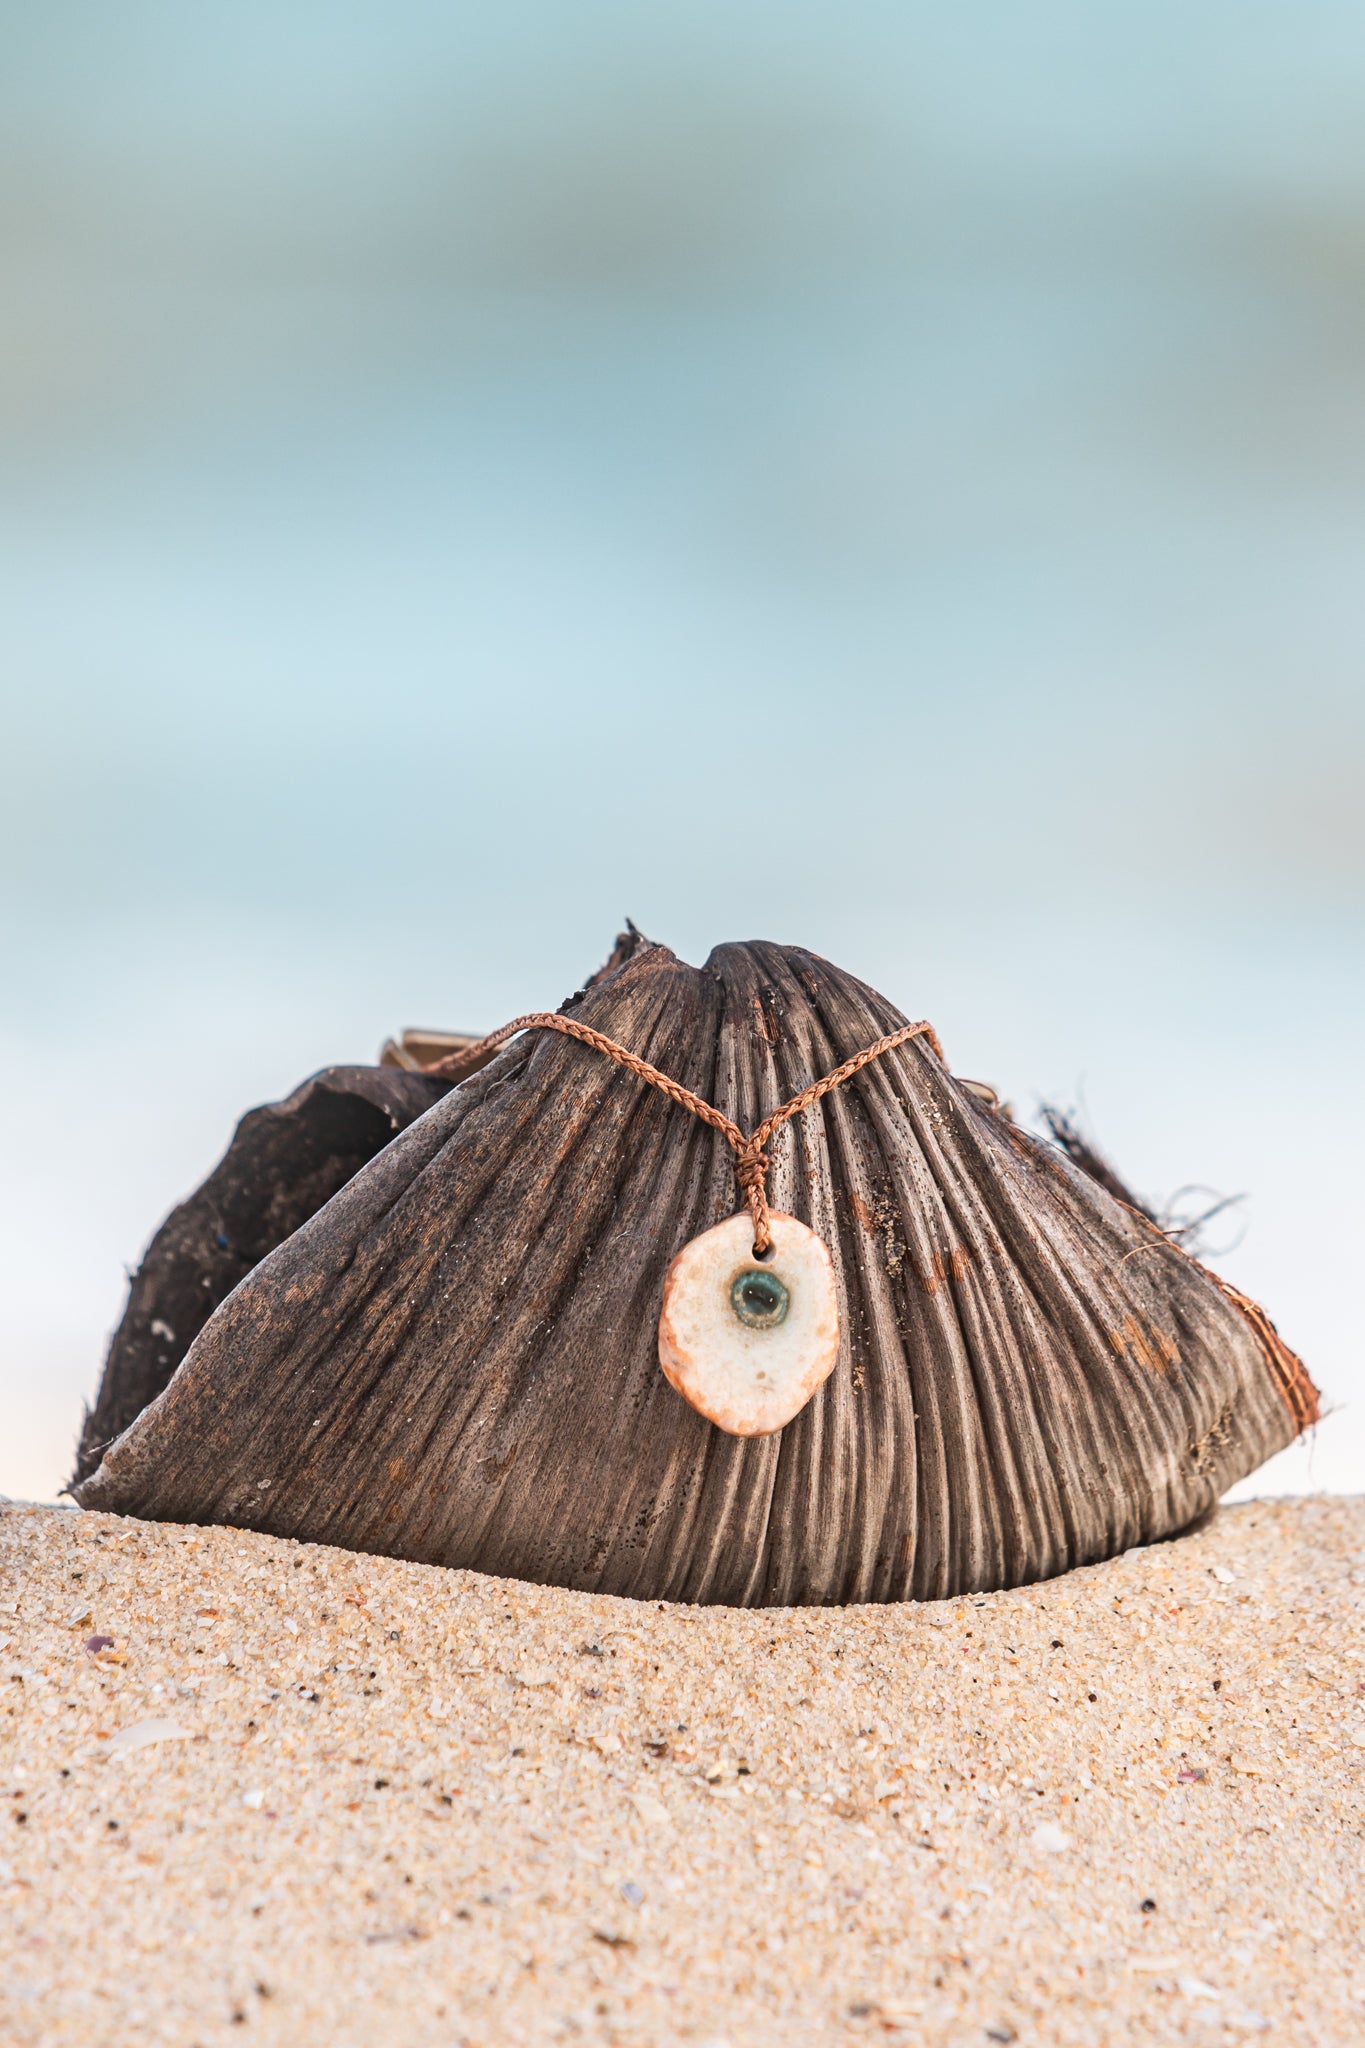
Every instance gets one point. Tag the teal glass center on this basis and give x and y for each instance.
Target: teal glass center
(759, 1299)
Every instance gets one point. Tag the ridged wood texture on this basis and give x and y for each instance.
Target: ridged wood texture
(285, 1160)
(455, 1359)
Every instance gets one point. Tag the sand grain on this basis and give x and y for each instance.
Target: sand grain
(309, 1797)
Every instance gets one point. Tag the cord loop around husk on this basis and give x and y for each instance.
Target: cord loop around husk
(751, 1157)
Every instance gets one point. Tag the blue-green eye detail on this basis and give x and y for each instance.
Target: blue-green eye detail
(759, 1299)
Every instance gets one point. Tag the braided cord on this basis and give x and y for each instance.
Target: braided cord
(752, 1162)
(751, 1158)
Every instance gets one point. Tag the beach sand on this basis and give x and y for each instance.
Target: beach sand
(307, 1797)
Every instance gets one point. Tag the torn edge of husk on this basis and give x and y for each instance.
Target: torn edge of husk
(1301, 1396)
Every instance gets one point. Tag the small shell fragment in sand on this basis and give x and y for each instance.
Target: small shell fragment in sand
(143, 1733)
(652, 1811)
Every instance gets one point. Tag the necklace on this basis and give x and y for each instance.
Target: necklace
(749, 1322)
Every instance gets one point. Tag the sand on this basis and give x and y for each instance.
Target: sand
(305, 1797)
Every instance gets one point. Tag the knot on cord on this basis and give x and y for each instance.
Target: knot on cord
(751, 1171)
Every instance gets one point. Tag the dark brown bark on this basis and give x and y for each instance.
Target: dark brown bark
(454, 1360)
(284, 1162)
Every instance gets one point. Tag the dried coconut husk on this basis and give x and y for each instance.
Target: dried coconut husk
(285, 1160)
(455, 1359)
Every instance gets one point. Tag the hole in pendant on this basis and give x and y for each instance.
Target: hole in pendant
(759, 1299)
(765, 1254)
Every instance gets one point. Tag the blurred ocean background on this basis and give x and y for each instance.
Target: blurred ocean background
(890, 478)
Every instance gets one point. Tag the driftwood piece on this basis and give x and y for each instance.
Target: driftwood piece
(285, 1160)
(455, 1359)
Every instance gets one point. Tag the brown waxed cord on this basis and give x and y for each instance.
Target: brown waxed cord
(751, 1160)
(751, 1163)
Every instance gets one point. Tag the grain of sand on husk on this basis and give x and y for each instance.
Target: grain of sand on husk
(258, 1789)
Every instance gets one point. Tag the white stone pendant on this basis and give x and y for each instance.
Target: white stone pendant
(747, 1340)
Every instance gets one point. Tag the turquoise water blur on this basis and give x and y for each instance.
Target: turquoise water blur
(884, 478)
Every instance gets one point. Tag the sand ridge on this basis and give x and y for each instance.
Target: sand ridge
(252, 1789)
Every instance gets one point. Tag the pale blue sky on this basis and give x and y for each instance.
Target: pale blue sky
(459, 468)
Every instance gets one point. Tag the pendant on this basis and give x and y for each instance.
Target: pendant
(748, 1340)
